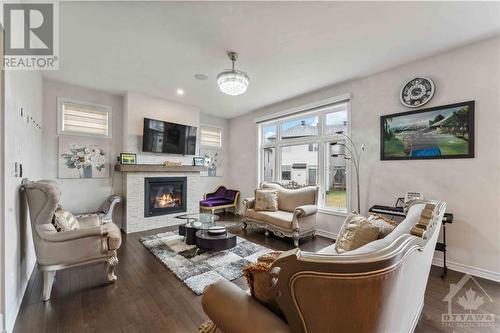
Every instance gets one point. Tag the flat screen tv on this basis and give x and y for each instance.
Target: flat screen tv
(169, 138)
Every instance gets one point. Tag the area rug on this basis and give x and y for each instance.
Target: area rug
(198, 270)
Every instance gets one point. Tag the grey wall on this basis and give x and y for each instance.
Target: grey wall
(80, 195)
(469, 186)
(23, 144)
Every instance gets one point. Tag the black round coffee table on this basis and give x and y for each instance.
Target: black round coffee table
(207, 241)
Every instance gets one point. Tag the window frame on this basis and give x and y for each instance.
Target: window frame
(99, 107)
(322, 139)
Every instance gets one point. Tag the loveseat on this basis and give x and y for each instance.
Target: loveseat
(378, 287)
(295, 217)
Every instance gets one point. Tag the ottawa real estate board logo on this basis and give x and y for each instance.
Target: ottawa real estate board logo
(31, 39)
(466, 306)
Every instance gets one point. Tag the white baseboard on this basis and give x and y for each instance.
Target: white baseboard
(479, 272)
(327, 234)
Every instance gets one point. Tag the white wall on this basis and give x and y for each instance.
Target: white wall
(23, 144)
(469, 186)
(138, 107)
(80, 195)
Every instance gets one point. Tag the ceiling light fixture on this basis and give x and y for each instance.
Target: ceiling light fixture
(231, 81)
(180, 92)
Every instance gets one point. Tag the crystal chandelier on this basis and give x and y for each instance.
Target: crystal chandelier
(231, 81)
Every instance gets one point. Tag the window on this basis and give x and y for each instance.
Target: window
(300, 128)
(336, 180)
(210, 136)
(269, 164)
(75, 117)
(269, 134)
(297, 151)
(297, 160)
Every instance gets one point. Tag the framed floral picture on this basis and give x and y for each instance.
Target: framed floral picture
(213, 160)
(83, 157)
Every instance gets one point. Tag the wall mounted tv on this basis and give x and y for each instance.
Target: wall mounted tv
(169, 138)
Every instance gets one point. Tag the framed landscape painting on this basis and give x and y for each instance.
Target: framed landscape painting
(440, 132)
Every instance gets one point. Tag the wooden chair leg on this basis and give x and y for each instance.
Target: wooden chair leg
(48, 281)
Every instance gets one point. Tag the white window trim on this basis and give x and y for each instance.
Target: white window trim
(105, 108)
(221, 136)
(322, 139)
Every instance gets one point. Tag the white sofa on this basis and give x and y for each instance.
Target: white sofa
(376, 288)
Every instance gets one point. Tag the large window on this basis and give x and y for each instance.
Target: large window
(297, 151)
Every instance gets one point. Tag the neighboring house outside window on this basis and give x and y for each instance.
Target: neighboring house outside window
(296, 152)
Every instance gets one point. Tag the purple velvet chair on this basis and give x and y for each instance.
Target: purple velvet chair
(222, 198)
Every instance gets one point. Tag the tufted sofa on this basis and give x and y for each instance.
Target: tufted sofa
(295, 217)
(376, 288)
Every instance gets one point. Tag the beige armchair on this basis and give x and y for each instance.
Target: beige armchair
(295, 217)
(93, 242)
(358, 291)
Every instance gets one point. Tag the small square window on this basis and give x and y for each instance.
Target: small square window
(82, 118)
(210, 136)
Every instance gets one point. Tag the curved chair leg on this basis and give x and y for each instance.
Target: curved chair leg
(112, 262)
(244, 225)
(48, 281)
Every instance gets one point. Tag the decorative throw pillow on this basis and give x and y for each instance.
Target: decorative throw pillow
(64, 220)
(355, 232)
(386, 225)
(266, 200)
(257, 279)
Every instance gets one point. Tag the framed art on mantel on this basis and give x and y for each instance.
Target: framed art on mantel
(440, 132)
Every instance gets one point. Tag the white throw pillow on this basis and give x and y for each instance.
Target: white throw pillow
(266, 200)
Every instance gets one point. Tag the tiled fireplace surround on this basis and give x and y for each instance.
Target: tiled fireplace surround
(134, 219)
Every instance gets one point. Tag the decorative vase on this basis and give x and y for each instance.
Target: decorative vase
(86, 172)
(212, 172)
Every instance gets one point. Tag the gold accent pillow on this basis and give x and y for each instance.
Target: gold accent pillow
(266, 200)
(257, 275)
(64, 220)
(355, 232)
(386, 225)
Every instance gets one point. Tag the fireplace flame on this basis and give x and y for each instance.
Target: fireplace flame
(166, 200)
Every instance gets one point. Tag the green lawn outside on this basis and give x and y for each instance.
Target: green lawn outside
(336, 199)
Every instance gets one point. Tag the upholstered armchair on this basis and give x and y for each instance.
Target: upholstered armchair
(358, 291)
(93, 242)
(295, 217)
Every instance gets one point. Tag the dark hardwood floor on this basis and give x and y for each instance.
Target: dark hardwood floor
(149, 298)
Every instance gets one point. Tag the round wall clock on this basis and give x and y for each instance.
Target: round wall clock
(416, 92)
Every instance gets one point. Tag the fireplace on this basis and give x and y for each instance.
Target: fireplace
(164, 195)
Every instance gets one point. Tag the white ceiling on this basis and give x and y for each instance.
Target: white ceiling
(287, 48)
